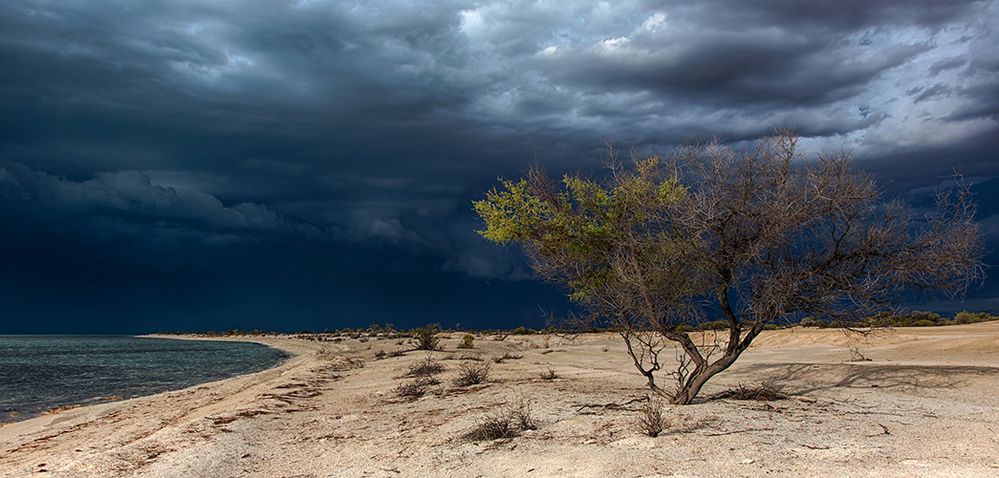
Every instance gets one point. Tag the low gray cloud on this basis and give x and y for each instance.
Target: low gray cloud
(130, 196)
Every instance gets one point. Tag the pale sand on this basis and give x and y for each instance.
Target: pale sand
(935, 390)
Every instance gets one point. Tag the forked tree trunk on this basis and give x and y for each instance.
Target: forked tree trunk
(703, 372)
(686, 393)
(737, 344)
(691, 386)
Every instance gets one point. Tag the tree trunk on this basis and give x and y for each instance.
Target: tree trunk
(689, 390)
(685, 395)
(692, 386)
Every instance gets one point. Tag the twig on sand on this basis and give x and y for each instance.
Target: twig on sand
(815, 447)
(612, 405)
(884, 431)
(738, 431)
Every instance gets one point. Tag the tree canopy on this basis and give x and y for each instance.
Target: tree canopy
(753, 237)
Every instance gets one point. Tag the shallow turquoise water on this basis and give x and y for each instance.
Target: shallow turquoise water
(38, 373)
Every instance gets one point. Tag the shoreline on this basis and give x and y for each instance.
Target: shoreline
(331, 410)
(127, 423)
(76, 415)
(110, 399)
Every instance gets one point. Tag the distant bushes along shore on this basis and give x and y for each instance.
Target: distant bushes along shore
(426, 337)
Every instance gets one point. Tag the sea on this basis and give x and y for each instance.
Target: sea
(41, 373)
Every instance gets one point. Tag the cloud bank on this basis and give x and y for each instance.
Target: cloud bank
(345, 127)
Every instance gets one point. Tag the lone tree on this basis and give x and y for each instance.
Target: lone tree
(754, 237)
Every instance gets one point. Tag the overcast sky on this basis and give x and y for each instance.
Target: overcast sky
(302, 165)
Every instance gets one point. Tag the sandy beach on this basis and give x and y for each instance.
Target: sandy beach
(925, 404)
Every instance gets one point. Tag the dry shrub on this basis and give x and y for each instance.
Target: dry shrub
(507, 423)
(343, 364)
(549, 374)
(856, 355)
(381, 354)
(520, 414)
(763, 393)
(471, 374)
(327, 352)
(465, 356)
(507, 356)
(425, 368)
(652, 417)
(426, 337)
(492, 428)
(416, 388)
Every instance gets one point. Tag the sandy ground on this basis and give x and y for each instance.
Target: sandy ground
(926, 404)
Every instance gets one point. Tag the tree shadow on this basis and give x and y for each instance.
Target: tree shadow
(803, 378)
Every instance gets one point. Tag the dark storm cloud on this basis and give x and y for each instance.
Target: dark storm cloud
(131, 197)
(339, 128)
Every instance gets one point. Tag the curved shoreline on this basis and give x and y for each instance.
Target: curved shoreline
(286, 354)
(72, 412)
(103, 436)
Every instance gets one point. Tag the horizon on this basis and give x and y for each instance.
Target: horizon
(311, 165)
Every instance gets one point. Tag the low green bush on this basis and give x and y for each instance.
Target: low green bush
(809, 322)
(714, 325)
(965, 317)
(467, 342)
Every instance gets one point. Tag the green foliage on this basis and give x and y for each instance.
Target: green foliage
(965, 317)
(510, 214)
(913, 319)
(714, 325)
(809, 322)
(572, 229)
(922, 318)
(467, 342)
